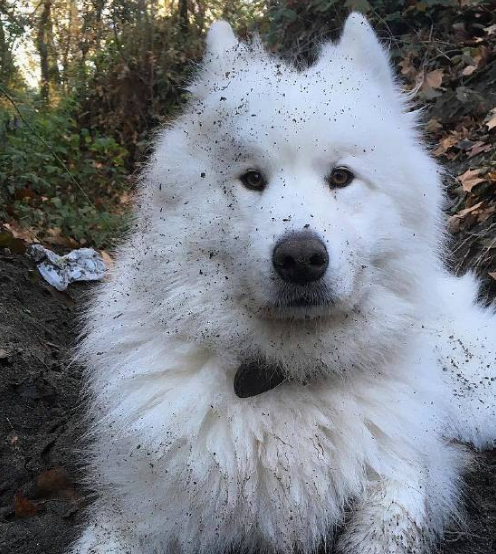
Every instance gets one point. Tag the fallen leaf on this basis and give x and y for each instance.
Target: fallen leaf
(433, 125)
(478, 148)
(61, 241)
(456, 221)
(464, 94)
(492, 122)
(469, 70)
(470, 179)
(54, 232)
(462, 213)
(55, 483)
(432, 80)
(408, 69)
(464, 144)
(19, 232)
(492, 274)
(11, 238)
(107, 258)
(491, 30)
(482, 215)
(17, 246)
(445, 144)
(23, 507)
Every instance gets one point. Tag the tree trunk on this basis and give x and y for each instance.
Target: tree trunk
(183, 15)
(6, 64)
(41, 44)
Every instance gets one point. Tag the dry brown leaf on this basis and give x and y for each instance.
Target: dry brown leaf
(445, 144)
(54, 232)
(456, 221)
(407, 68)
(478, 148)
(482, 215)
(109, 261)
(432, 80)
(10, 241)
(470, 179)
(19, 232)
(55, 483)
(23, 507)
(68, 242)
(492, 122)
(469, 70)
(492, 274)
(433, 125)
(491, 30)
(462, 213)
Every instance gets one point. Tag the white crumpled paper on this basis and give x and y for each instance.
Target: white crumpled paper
(84, 264)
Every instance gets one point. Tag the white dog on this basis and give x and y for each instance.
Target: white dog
(280, 351)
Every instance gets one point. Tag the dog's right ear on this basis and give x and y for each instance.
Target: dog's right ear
(220, 39)
(222, 51)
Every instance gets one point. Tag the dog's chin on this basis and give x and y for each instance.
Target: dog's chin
(295, 313)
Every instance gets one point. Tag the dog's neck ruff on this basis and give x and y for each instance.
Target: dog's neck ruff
(254, 378)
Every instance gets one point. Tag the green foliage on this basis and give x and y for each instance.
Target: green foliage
(126, 64)
(296, 28)
(36, 190)
(138, 80)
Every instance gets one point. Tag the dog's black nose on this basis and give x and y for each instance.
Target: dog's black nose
(300, 258)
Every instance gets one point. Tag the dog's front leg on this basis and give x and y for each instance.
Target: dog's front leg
(393, 518)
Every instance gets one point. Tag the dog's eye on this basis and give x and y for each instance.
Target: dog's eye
(253, 180)
(340, 177)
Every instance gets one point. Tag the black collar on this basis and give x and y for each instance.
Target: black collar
(254, 378)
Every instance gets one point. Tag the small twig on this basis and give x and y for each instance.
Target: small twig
(457, 535)
(480, 257)
(54, 154)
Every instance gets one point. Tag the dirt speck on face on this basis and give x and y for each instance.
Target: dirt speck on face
(41, 499)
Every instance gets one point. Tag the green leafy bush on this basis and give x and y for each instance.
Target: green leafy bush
(82, 200)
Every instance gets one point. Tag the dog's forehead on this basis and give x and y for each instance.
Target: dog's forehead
(267, 100)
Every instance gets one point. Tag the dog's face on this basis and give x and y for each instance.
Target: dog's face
(296, 207)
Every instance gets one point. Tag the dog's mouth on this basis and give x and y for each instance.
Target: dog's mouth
(297, 301)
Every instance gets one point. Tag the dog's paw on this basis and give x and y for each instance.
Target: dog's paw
(384, 529)
(102, 539)
(383, 540)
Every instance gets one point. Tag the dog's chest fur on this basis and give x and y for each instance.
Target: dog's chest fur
(269, 470)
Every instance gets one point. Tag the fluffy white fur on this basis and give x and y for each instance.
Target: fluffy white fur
(382, 377)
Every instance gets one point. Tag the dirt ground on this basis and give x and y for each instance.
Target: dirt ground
(41, 503)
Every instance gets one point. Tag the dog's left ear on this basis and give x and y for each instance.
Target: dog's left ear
(220, 39)
(360, 45)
